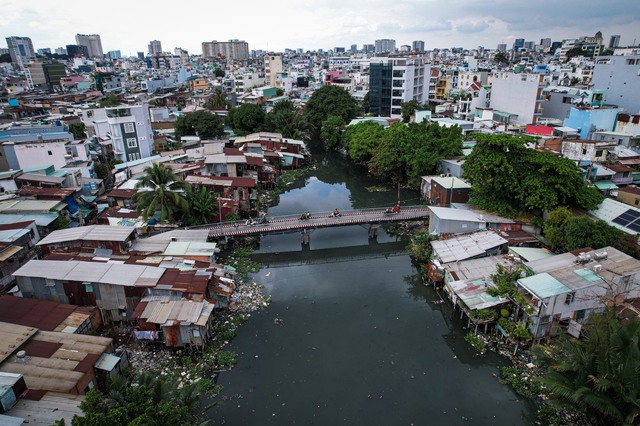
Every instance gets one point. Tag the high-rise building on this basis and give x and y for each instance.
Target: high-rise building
(529, 45)
(368, 48)
(21, 50)
(155, 47)
(339, 50)
(61, 51)
(354, 49)
(45, 75)
(74, 50)
(232, 49)
(272, 66)
(140, 55)
(385, 45)
(114, 54)
(418, 46)
(502, 47)
(44, 51)
(93, 44)
(545, 43)
(393, 81)
(518, 44)
(614, 41)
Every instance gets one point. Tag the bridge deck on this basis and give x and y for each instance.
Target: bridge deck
(324, 220)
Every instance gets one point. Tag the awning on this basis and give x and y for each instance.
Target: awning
(605, 185)
(9, 252)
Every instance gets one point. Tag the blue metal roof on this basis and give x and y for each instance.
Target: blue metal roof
(543, 286)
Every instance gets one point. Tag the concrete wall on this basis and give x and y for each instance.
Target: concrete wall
(516, 94)
(619, 76)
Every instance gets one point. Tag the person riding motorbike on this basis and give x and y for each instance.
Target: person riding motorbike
(305, 216)
(336, 213)
(395, 209)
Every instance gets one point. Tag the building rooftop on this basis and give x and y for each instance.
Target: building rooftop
(466, 246)
(89, 233)
(41, 314)
(619, 215)
(474, 294)
(543, 286)
(446, 213)
(174, 312)
(92, 272)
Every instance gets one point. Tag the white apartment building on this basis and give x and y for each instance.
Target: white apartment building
(519, 95)
(247, 81)
(393, 81)
(620, 77)
(126, 127)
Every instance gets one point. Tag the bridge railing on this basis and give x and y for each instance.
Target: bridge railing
(314, 214)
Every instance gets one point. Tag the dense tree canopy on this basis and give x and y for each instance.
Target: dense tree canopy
(77, 130)
(597, 374)
(508, 177)
(150, 399)
(330, 100)
(217, 100)
(247, 118)
(401, 152)
(202, 206)
(408, 109)
(554, 226)
(284, 118)
(582, 231)
(332, 129)
(203, 123)
(110, 101)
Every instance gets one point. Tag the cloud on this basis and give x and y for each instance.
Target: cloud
(472, 27)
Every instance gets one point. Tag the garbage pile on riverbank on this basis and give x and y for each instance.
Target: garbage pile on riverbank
(248, 298)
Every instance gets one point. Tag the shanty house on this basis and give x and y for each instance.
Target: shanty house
(99, 239)
(115, 288)
(179, 323)
(565, 289)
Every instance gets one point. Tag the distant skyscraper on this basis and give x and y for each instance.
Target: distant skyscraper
(502, 47)
(339, 50)
(385, 45)
(74, 50)
(529, 45)
(155, 47)
(614, 41)
(354, 49)
(61, 51)
(518, 44)
(140, 55)
(555, 45)
(44, 51)
(418, 46)
(232, 49)
(114, 54)
(21, 50)
(545, 43)
(93, 44)
(368, 48)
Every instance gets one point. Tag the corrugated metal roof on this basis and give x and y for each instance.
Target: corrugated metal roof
(40, 219)
(543, 285)
(107, 362)
(466, 246)
(455, 214)
(89, 233)
(96, 272)
(190, 248)
(183, 311)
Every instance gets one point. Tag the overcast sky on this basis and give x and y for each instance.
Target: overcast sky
(274, 25)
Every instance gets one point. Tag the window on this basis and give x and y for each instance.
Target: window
(599, 153)
(128, 128)
(584, 151)
(50, 153)
(570, 297)
(132, 143)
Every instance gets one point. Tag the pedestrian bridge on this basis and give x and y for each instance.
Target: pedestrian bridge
(283, 224)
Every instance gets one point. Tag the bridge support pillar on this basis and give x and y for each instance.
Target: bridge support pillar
(373, 231)
(305, 236)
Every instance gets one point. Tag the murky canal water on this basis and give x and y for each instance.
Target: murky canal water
(358, 339)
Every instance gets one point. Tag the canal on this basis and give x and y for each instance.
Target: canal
(352, 336)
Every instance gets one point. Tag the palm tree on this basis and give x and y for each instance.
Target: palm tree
(160, 189)
(202, 206)
(599, 374)
(217, 100)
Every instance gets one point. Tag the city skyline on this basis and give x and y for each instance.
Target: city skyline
(334, 23)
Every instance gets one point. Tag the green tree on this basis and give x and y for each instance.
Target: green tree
(217, 100)
(279, 91)
(501, 57)
(101, 170)
(575, 51)
(581, 232)
(203, 123)
(597, 374)
(329, 100)
(247, 118)
(202, 206)
(284, 118)
(555, 225)
(387, 159)
(160, 189)
(362, 139)
(509, 177)
(110, 101)
(77, 130)
(332, 129)
(420, 248)
(218, 72)
(408, 109)
(148, 399)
